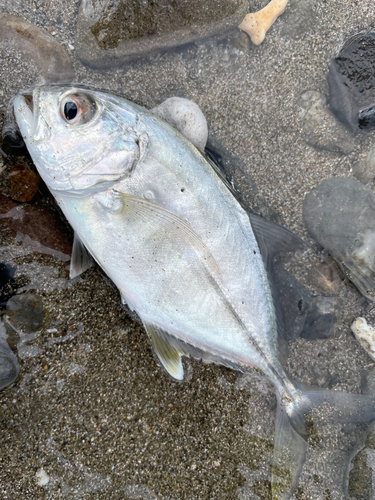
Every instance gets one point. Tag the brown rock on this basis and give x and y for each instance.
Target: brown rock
(37, 227)
(24, 182)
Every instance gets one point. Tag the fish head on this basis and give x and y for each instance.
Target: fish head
(81, 141)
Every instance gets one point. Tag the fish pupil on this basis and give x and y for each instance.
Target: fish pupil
(70, 110)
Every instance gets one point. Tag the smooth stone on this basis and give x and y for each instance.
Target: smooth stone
(340, 215)
(108, 34)
(365, 334)
(9, 368)
(25, 312)
(24, 182)
(44, 59)
(322, 317)
(300, 17)
(294, 301)
(351, 81)
(364, 170)
(321, 129)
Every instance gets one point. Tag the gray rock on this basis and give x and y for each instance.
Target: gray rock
(9, 368)
(364, 170)
(25, 312)
(339, 215)
(299, 18)
(109, 33)
(351, 81)
(321, 129)
(32, 52)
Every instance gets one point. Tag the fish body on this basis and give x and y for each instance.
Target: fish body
(154, 214)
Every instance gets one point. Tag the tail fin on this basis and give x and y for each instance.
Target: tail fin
(291, 446)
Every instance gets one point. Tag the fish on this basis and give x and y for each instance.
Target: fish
(158, 217)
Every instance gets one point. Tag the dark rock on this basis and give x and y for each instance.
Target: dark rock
(351, 81)
(24, 182)
(33, 49)
(108, 33)
(294, 300)
(321, 129)
(340, 215)
(36, 226)
(7, 283)
(321, 318)
(25, 312)
(300, 17)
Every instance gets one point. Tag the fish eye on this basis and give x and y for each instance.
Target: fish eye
(77, 109)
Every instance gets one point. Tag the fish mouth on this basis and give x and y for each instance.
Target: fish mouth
(29, 118)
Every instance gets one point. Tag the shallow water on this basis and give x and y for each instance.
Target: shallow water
(92, 415)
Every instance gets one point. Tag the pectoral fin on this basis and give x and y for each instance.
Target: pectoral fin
(166, 349)
(160, 219)
(81, 260)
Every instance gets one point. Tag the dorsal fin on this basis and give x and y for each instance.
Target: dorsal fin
(81, 260)
(167, 350)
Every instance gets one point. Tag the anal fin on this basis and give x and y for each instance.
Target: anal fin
(81, 260)
(167, 350)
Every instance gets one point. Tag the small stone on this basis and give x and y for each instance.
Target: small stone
(34, 48)
(24, 182)
(340, 215)
(365, 334)
(325, 279)
(185, 116)
(364, 170)
(351, 81)
(321, 129)
(42, 477)
(108, 34)
(25, 312)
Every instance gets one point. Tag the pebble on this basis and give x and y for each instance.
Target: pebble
(42, 477)
(24, 182)
(365, 334)
(33, 49)
(185, 116)
(351, 81)
(320, 127)
(339, 215)
(110, 34)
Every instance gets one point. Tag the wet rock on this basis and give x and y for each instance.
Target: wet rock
(322, 317)
(24, 182)
(33, 50)
(9, 368)
(300, 17)
(365, 334)
(325, 279)
(339, 215)
(25, 312)
(109, 33)
(294, 300)
(364, 170)
(37, 227)
(321, 129)
(351, 81)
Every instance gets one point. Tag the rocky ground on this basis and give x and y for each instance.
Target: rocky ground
(92, 415)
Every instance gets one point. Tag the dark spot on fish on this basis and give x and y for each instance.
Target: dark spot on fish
(182, 190)
(300, 303)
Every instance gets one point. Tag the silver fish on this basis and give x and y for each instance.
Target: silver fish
(153, 213)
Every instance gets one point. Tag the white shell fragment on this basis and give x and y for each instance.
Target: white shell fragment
(42, 477)
(256, 25)
(186, 117)
(365, 334)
